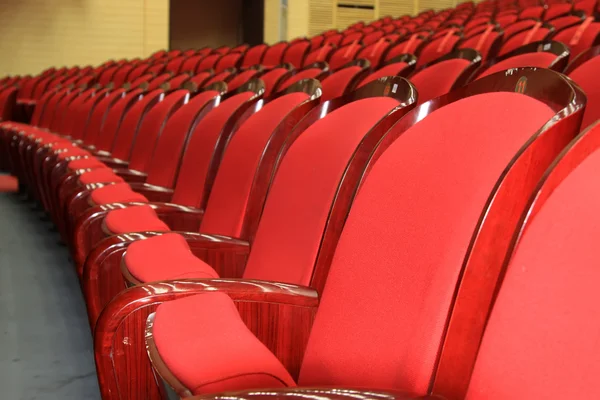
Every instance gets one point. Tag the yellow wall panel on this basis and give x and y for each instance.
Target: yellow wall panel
(298, 16)
(37, 34)
(271, 21)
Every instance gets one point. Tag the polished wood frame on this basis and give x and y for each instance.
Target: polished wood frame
(111, 316)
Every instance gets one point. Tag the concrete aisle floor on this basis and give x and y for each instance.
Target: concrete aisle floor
(46, 345)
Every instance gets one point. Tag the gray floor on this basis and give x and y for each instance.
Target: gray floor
(46, 345)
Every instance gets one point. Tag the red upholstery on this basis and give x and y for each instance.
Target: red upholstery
(335, 39)
(585, 76)
(344, 55)
(222, 77)
(119, 192)
(134, 219)
(541, 340)
(374, 52)
(438, 78)
(338, 83)
(208, 62)
(406, 47)
(563, 22)
(556, 10)
(200, 78)
(579, 44)
(241, 78)
(404, 243)
(320, 54)
(190, 64)
(389, 70)
(174, 66)
(532, 12)
(131, 122)
(254, 55)
(169, 147)
(271, 78)
(99, 115)
(274, 54)
(296, 52)
(198, 158)
(437, 48)
(230, 60)
(297, 208)
(537, 59)
(481, 42)
(396, 230)
(82, 163)
(518, 26)
(372, 37)
(151, 259)
(158, 81)
(305, 74)
(351, 37)
(228, 339)
(520, 39)
(228, 199)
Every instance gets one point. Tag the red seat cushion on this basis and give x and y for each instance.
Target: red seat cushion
(165, 257)
(389, 70)
(202, 339)
(72, 152)
(305, 74)
(585, 76)
(100, 175)
(134, 219)
(117, 193)
(82, 163)
(438, 78)
(537, 59)
(336, 85)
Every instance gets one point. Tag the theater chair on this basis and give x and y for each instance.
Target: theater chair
(55, 156)
(438, 46)
(342, 56)
(583, 70)
(154, 160)
(232, 209)
(253, 56)
(412, 45)
(445, 74)
(198, 168)
(320, 196)
(581, 37)
(553, 55)
(401, 253)
(319, 55)
(539, 325)
(572, 19)
(539, 32)
(272, 79)
(403, 65)
(318, 70)
(486, 42)
(375, 51)
(295, 53)
(345, 79)
(274, 54)
(519, 26)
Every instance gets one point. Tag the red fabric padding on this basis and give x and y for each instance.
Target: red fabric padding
(384, 307)
(389, 70)
(72, 151)
(100, 175)
(523, 38)
(198, 157)
(228, 199)
(541, 341)
(206, 345)
(336, 84)
(537, 59)
(587, 40)
(82, 163)
(438, 79)
(473, 42)
(165, 257)
(305, 74)
(118, 193)
(134, 219)
(300, 199)
(586, 77)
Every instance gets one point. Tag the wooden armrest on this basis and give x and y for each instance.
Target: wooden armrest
(131, 175)
(113, 162)
(267, 308)
(153, 193)
(103, 277)
(329, 393)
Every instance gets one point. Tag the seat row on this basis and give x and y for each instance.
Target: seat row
(344, 227)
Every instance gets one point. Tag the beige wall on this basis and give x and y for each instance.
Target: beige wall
(199, 23)
(297, 20)
(36, 34)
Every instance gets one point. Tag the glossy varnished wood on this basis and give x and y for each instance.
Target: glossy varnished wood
(557, 48)
(315, 393)
(270, 310)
